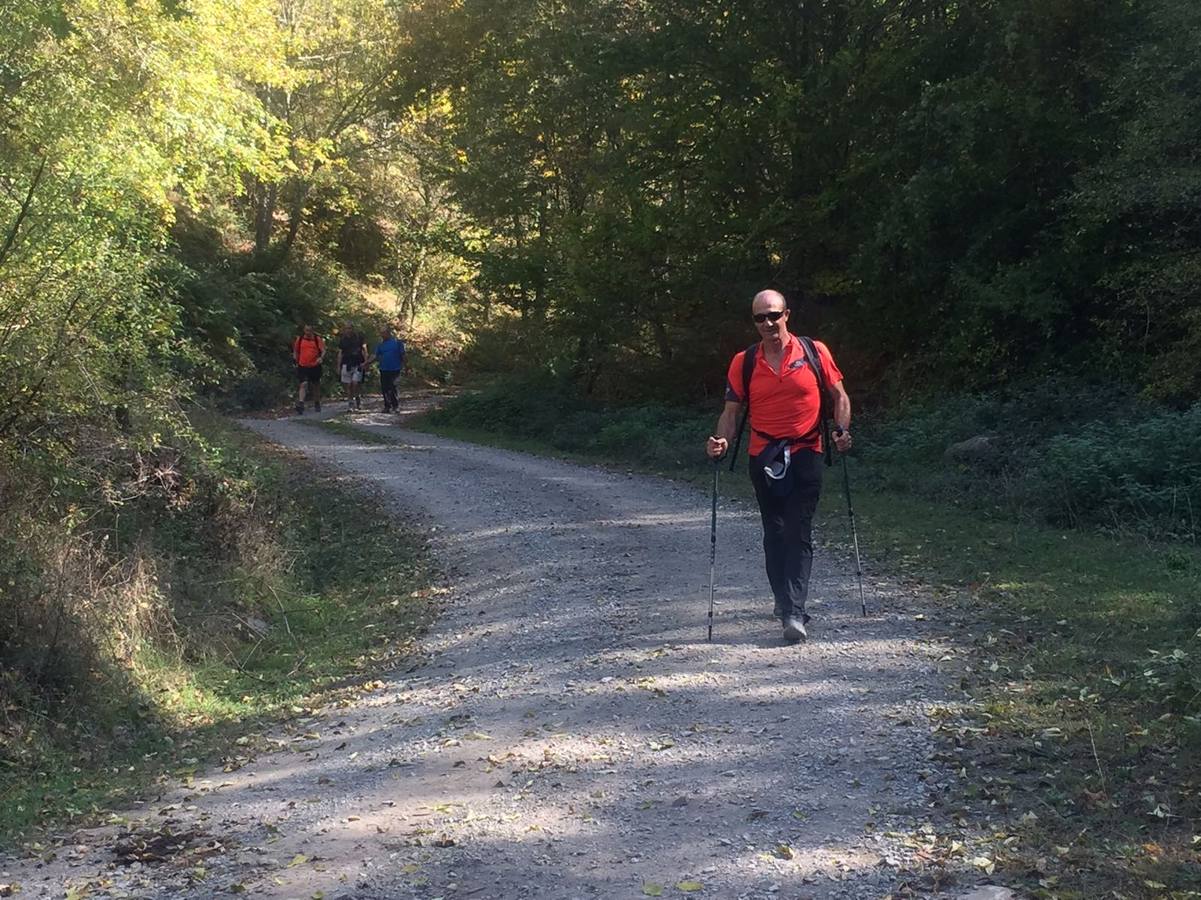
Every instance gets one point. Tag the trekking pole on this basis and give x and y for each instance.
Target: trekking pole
(846, 486)
(713, 545)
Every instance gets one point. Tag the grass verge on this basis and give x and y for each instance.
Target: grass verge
(313, 602)
(1077, 746)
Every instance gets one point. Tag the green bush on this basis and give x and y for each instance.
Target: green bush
(547, 409)
(257, 392)
(1172, 678)
(1069, 452)
(1144, 474)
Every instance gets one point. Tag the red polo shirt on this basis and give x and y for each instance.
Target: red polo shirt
(307, 350)
(784, 403)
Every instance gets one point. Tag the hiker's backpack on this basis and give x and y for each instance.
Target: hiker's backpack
(824, 414)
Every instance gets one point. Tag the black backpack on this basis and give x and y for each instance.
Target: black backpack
(825, 412)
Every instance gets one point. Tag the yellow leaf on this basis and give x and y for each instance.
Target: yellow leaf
(410, 869)
(652, 890)
(298, 860)
(689, 887)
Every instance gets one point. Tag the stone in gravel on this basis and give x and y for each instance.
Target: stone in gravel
(988, 892)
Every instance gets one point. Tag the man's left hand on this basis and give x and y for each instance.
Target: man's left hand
(842, 440)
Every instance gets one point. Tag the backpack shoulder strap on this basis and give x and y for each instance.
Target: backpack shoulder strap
(748, 369)
(825, 411)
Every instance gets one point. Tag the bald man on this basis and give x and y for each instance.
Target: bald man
(785, 448)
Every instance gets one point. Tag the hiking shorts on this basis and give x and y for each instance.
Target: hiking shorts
(352, 374)
(310, 374)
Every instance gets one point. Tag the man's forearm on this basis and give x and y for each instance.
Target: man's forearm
(842, 412)
(726, 423)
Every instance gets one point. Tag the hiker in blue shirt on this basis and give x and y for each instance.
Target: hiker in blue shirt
(390, 354)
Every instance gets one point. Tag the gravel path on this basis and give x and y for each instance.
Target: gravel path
(571, 733)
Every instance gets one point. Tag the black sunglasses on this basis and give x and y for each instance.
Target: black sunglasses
(773, 316)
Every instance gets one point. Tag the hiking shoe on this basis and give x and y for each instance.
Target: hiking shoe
(794, 630)
(300, 409)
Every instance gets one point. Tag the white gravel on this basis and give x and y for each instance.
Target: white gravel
(571, 734)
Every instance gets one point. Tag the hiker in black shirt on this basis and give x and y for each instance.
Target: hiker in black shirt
(352, 354)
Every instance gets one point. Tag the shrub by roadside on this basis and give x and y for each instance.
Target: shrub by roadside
(1065, 453)
(156, 599)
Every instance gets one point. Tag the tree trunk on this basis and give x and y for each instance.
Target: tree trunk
(264, 216)
(415, 285)
(295, 218)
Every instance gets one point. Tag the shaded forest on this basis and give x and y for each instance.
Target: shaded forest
(955, 195)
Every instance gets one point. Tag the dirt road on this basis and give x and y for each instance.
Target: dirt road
(572, 734)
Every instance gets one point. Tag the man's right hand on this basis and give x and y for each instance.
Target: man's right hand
(716, 447)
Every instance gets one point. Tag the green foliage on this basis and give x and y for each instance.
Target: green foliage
(1142, 473)
(1172, 678)
(1071, 452)
(153, 603)
(550, 410)
(959, 196)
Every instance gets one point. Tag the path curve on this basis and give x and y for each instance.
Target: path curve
(572, 734)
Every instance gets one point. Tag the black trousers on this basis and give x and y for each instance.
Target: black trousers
(387, 383)
(788, 530)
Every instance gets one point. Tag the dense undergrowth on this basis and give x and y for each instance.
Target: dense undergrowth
(1065, 553)
(155, 599)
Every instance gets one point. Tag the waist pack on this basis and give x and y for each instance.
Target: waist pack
(776, 460)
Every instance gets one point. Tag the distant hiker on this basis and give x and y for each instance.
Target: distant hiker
(390, 354)
(785, 406)
(308, 350)
(352, 355)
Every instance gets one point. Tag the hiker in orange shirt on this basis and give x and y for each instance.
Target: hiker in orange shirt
(308, 350)
(787, 414)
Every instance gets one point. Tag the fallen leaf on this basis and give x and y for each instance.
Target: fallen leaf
(410, 869)
(298, 860)
(984, 863)
(651, 889)
(784, 851)
(689, 887)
